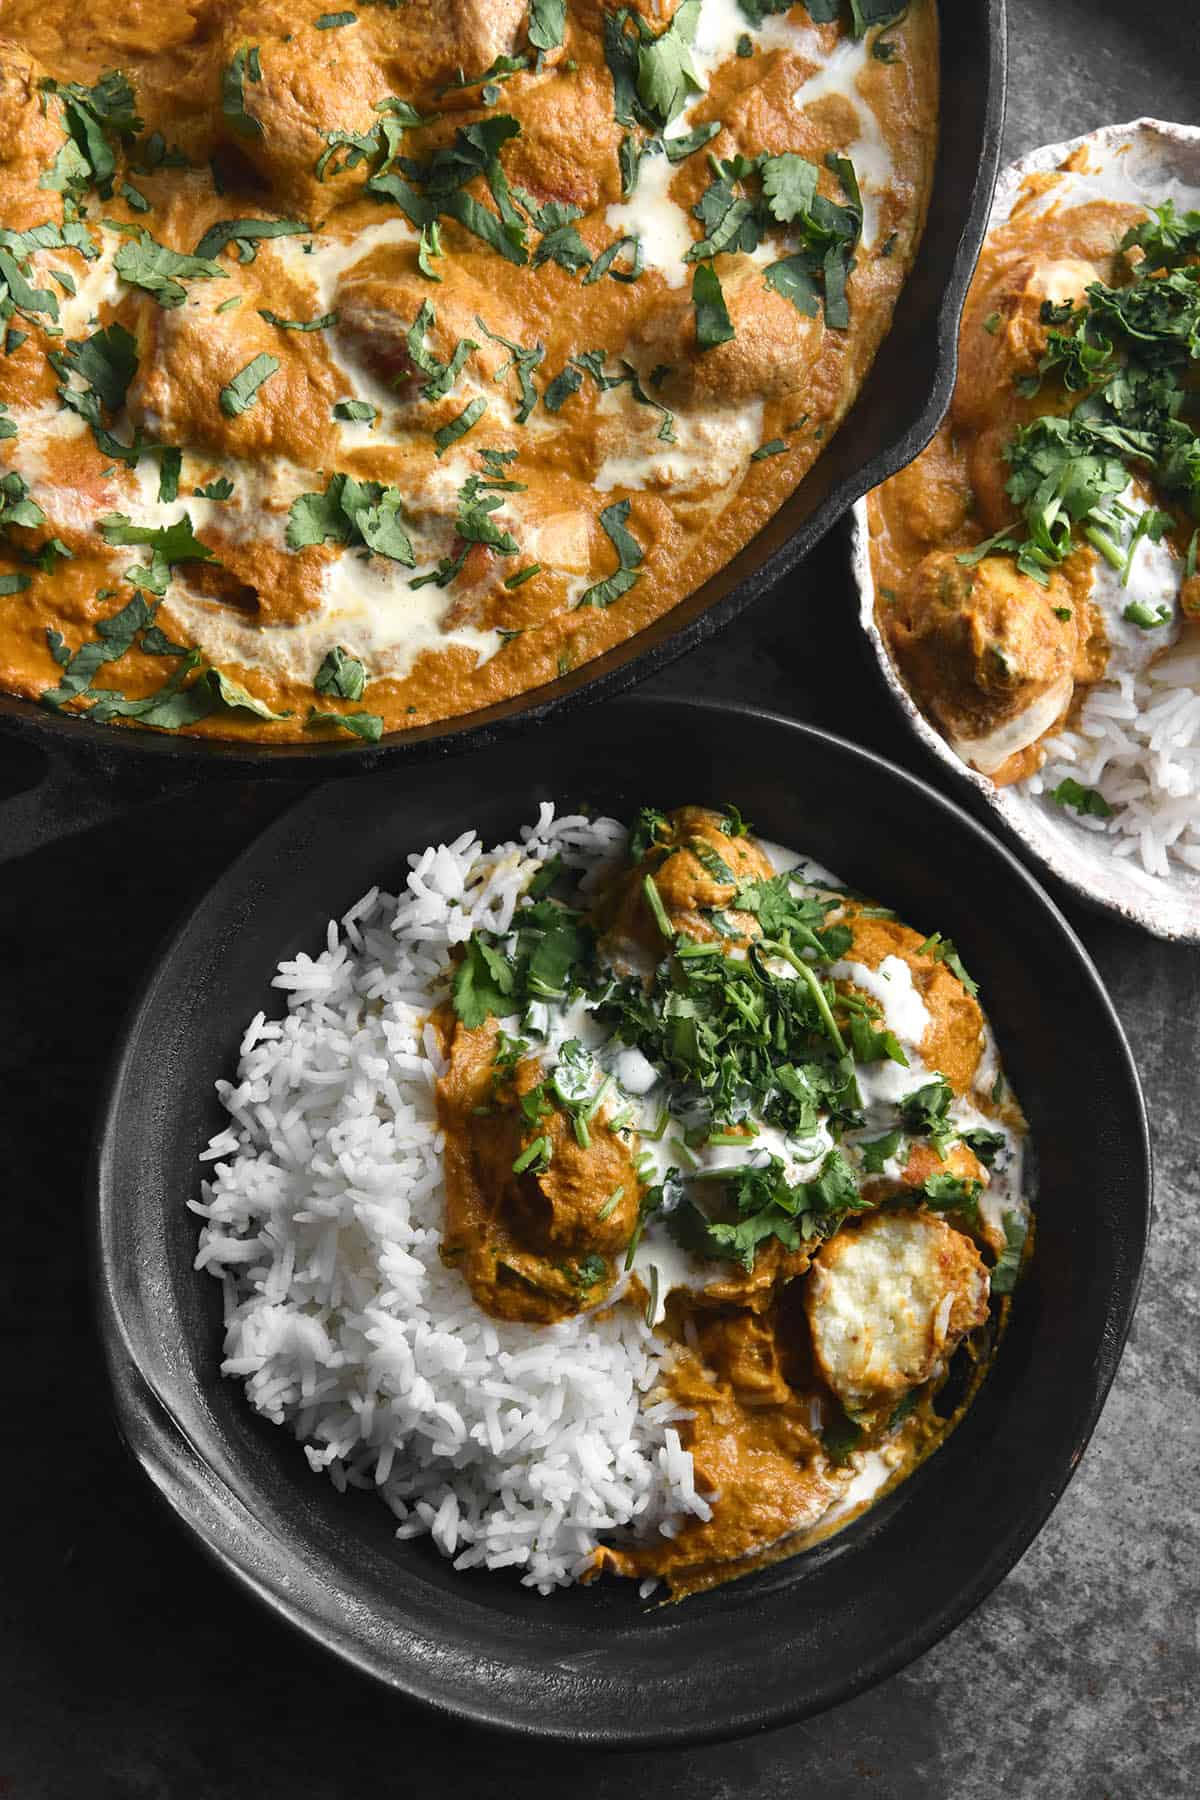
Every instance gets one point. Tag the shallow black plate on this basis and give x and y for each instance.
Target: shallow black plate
(896, 413)
(591, 1664)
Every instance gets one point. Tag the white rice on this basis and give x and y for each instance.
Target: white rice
(511, 1446)
(1137, 742)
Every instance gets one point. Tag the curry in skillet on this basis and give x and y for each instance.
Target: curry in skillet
(361, 368)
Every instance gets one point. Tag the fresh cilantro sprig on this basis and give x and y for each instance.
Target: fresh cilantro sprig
(352, 512)
(1128, 352)
(161, 271)
(539, 959)
(95, 118)
(757, 1202)
(105, 363)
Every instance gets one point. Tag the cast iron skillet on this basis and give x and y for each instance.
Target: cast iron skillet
(594, 1665)
(895, 415)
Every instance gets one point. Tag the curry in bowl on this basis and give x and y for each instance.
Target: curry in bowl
(637, 1201)
(365, 368)
(1033, 574)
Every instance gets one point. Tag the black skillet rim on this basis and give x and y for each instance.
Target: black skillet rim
(118, 748)
(162, 1450)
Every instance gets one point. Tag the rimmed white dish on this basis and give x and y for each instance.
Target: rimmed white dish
(1157, 160)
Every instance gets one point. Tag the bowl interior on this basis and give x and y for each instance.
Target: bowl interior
(895, 414)
(593, 1664)
(1156, 159)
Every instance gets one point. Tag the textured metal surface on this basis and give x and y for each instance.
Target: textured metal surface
(131, 1672)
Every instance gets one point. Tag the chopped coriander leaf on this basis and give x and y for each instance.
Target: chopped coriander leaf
(220, 489)
(713, 324)
(115, 635)
(1149, 618)
(334, 20)
(242, 392)
(840, 1437)
(430, 247)
(523, 361)
(986, 1145)
(605, 262)
(949, 1193)
(559, 391)
(351, 512)
(245, 66)
(773, 447)
(688, 142)
(666, 79)
(551, 943)
(1124, 353)
(359, 410)
(923, 1113)
(15, 504)
(107, 363)
(341, 674)
(321, 324)
(866, 14)
(22, 296)
(879, 1151)
(245, 234)
(1088, 801)
(365, 725)
(168, 545)
(561, 242)
(942, 950)
(231, 693)
(629, 557)
(434, 188)
(547, 19)
(162, 271)
(93, 117)
(1008, 1265)
(170, 464)
(449, 434)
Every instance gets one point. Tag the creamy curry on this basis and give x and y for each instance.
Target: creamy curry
(1047, 537)
(722, 1090)
(363, 368)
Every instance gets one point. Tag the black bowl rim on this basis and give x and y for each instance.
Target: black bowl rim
(626, 663)
(162, 1450)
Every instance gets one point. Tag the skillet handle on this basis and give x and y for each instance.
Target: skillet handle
(52, 792)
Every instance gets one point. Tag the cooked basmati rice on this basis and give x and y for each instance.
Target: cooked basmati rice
(511, 1446)
(1137, 742)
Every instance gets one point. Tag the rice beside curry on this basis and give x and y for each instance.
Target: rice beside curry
(638, 1201)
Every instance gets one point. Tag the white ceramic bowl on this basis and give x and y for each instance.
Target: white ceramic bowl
(1156, 161)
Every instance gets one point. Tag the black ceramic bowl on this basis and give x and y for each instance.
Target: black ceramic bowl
(594, 1665)
(895, 415)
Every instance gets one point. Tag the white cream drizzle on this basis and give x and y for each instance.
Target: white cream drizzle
(839, 74)
(710, 449)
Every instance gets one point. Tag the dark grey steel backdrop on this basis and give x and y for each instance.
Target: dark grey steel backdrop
(130, 1671)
